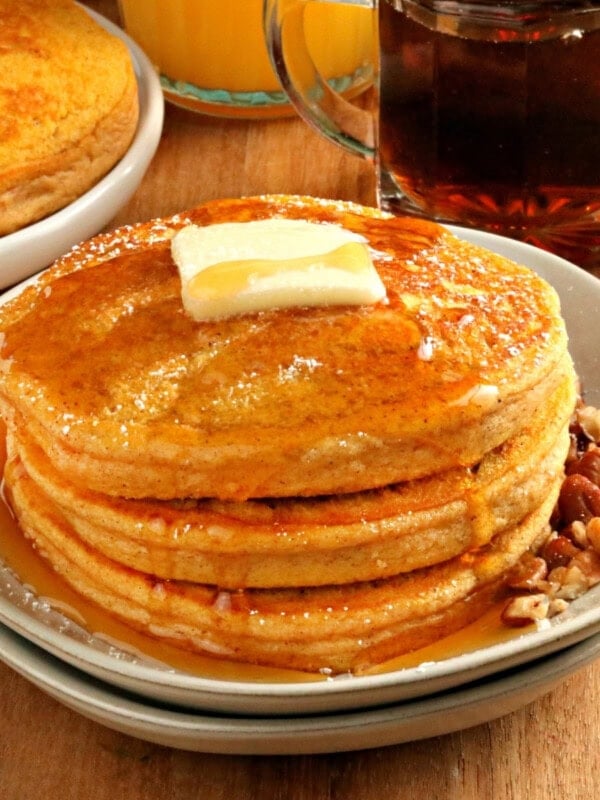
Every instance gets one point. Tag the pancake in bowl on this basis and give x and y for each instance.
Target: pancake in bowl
(68, 107)
(313, 488)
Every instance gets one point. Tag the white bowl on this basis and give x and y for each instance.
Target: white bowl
(30, 249)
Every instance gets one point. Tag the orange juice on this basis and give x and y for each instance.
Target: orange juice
(212, 55)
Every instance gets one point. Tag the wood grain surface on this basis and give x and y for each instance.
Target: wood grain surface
(546, 751)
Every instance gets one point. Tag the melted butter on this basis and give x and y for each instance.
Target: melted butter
(482, 395)
(240, 268)
(305, 272)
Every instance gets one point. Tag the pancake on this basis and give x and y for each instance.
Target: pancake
(68, 106)
(318, 401)
(326, 540)
(314, 488)
(328, 629)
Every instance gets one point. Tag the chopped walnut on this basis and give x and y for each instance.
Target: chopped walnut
(568, 583)
(568, 562)
(528, 573)
(577, 532)
(524, 609)
(558, 551)
(592, 532)
(587, 464)
(588, 561)
(588, 418)
(557, 606)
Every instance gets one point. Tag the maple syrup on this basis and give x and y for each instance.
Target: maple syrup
(495, 127)
(18, 553)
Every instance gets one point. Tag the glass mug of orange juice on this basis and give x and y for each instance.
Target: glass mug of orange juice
(212, 56)
(488, 113)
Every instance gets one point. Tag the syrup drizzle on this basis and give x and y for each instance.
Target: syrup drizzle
(33, 571)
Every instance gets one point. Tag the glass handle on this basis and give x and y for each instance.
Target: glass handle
(314, 99)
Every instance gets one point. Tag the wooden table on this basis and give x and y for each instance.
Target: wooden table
(547, 751)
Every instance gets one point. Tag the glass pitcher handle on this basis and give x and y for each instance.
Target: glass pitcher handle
(314, 99)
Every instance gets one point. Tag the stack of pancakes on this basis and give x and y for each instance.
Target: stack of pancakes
(68, 106)
(312, 488)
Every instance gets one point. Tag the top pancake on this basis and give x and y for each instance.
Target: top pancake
(131, 397)
(68, 106)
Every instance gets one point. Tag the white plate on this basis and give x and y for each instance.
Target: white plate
(37, 621)
(32, 248)
(403, 722)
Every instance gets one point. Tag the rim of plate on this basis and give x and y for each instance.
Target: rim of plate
(420, 718)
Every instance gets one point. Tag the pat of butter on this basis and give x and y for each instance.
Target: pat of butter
(244, 267)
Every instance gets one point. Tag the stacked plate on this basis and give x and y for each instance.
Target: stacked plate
(109, 683)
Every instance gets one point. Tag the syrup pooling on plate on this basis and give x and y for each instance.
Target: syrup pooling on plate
(35, 575)
(124, 643)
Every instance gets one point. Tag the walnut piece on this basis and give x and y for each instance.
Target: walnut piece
(542, 585)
